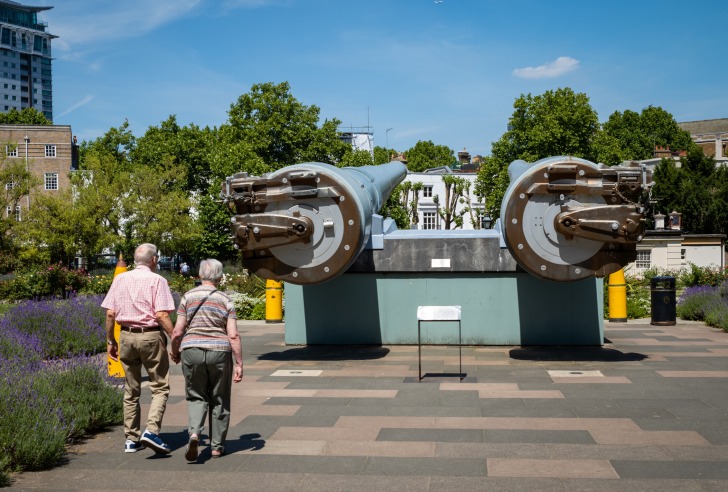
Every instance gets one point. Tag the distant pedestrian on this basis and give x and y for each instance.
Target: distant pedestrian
(206, 334)
(184, 269)
(140, 301)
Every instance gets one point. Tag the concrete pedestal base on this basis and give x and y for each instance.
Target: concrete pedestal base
(499, 308)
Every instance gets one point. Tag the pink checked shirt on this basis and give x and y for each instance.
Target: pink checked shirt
(135, 296)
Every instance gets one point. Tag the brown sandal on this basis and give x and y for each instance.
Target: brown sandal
(191, 451)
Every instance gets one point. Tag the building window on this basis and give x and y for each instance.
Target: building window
(9, 211)
(50, 150)
(429, 220)
(51, 181)
(644, 260)
(427, 191)
(11, 150)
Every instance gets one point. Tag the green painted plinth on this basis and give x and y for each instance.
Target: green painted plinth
(510, 308)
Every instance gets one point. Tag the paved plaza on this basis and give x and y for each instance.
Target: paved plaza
(647, 411)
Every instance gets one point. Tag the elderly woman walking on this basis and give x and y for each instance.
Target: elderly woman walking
(205, 339)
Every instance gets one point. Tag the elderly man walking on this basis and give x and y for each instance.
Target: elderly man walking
(140, 301)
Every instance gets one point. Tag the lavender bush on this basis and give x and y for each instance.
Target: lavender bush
(705, 303)
(70, 327)
(51, 389)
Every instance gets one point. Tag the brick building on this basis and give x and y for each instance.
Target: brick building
(711, 136)
(49, 153)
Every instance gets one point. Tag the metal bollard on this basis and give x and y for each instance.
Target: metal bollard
(617, 288)
(273, 301)
(115, 368)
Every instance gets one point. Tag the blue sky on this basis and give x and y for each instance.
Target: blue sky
(412, 70)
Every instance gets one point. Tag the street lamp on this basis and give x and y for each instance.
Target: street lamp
(485, 221)
(386, 136)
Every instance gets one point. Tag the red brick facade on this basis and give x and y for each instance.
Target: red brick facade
(47, 149)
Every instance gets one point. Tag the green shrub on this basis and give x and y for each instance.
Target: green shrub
(49, 404)
(53, 281)
(243, 283)
(45, 401)
(258, 311)
(695, 275)
(98, 284)
(180, 283)
(245, 305)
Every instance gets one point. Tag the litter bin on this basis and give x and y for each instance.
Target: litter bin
(662, 291)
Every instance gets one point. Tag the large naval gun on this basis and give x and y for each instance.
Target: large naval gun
(353, 277)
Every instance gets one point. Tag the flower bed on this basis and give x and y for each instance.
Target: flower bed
(705, 303)
(53, 388)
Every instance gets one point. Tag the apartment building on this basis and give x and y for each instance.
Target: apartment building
(26, 79)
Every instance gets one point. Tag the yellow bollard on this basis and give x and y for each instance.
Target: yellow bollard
(273, 301)
(617, 297)
(115, 368)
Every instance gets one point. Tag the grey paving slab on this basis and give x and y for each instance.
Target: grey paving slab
(430, 435)
(463, 467)
(712, 470)
(539, 436)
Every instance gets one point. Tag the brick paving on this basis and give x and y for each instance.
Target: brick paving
(648, 411)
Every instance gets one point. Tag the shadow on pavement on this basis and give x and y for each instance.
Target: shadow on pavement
(595, 354)
(325, 352)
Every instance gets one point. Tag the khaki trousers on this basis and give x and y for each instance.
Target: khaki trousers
(150, 351)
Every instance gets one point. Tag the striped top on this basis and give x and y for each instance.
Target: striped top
(208, 329)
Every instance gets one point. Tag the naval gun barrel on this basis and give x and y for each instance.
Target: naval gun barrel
(308, 222)
(565, 218)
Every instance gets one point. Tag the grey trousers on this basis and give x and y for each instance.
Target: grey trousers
(208, 384)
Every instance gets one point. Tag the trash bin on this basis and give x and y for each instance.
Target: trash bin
(662, 291)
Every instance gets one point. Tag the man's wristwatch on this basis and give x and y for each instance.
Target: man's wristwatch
(110, 342)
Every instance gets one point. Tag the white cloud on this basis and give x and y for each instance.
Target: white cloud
(74, 107)
(560, 66)
(82, 22)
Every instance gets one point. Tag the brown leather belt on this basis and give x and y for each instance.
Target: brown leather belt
(139, 329)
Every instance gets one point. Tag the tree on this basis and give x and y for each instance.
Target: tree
(172, 145)
(455, 188)
(633, 136)
(426, 155)
(395, 208)
(559, 122)
(491, 184)
(26, 116)
(16, 183)
(356, 158)
(697, 189)
(282, 131)
(382, 155)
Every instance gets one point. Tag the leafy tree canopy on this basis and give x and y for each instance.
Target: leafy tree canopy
(630, 135)
(382, 155)
(559, 122)
(26, 116)
(697, 189)
(426, 155)
(281, 130)
(172, 145)
(356, 158)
